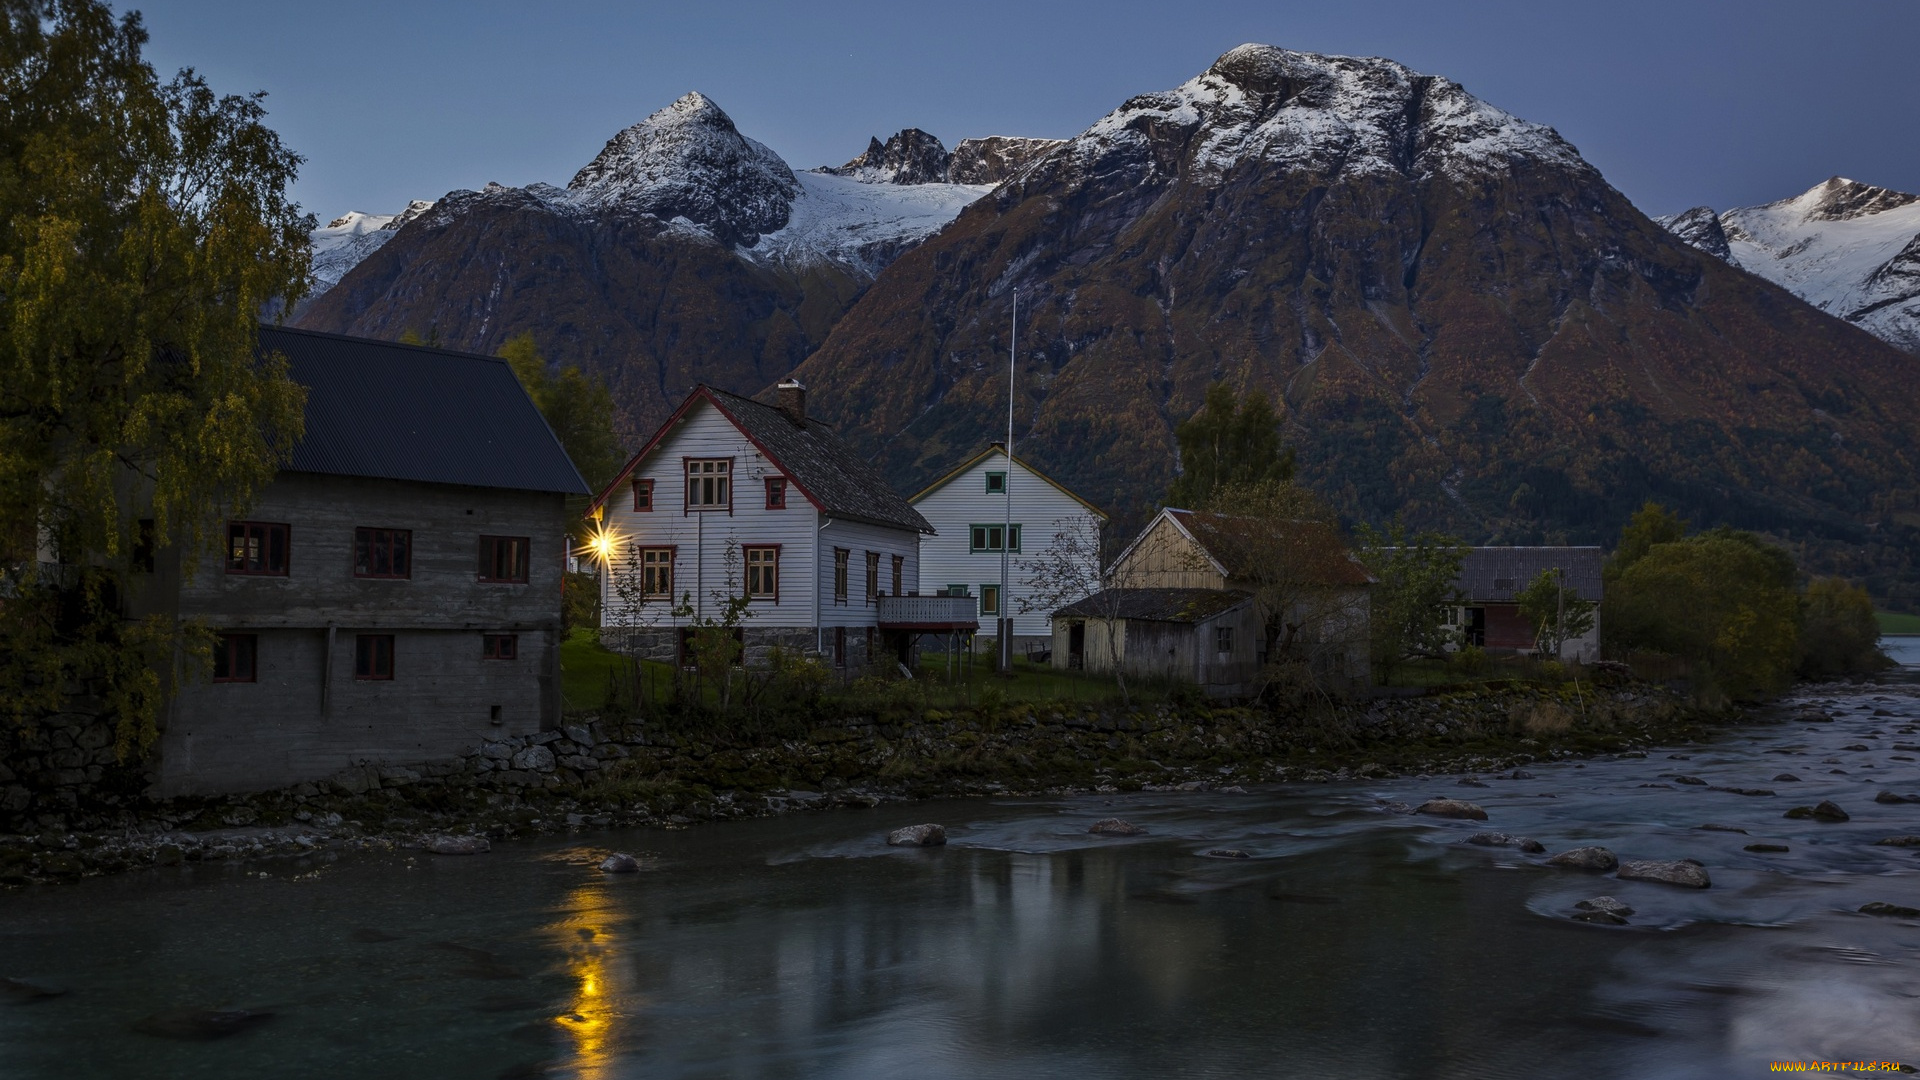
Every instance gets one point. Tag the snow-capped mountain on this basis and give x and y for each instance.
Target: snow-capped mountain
(353, 236)
(1849, 249)
(915, 157)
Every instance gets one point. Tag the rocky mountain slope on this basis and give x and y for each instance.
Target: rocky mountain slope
(683, 252)
(1466, 325)
(1850, 249)
(346, 240)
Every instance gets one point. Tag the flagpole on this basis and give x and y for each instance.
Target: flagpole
(1006, 530)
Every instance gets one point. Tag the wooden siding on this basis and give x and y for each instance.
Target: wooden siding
(701, 538)
(1164, 557)
(1041, 510)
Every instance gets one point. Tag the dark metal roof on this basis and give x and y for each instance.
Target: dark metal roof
(1498, 573)
(838, 480)
(408, 412)
(1238, 546)
(1156, 605)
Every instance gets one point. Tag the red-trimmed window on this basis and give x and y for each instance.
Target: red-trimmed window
(899, 574)
(236, 658)
(643, 496)
(656, 573)
(500, 646)
(383, 553)
(503, 559)
(873, 577)
(840, 558)
(776, 493)
(710, 484)
(763, 571)
(373, 657)
(257, 547)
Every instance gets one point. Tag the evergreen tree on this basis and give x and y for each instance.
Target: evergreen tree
(1230, 441)
(578, 407)
(144, 226)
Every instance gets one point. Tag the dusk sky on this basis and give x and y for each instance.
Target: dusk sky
(1677, 103)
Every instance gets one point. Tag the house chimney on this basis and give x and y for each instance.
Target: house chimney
(793, 401)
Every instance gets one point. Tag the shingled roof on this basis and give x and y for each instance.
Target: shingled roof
(1498, 574)
(1237, 551)
(830, 473)
(1156, 605)
(408, 412)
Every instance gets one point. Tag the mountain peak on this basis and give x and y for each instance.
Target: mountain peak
(910, 157)
(1841, 199)
(689, 161)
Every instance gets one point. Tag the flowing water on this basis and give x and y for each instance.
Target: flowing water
(1355, 941)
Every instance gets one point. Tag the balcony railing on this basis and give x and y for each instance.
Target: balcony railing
(946, 614)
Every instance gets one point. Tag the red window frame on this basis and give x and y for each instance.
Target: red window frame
(769, 590)
(500, 646)
(662, 558)
(253, 548)
(873, 577)
(373, 657)
(899, 574)
(371, 546)
(643, 496)
(776, 493)
(841, 557)
(513, 571)
(723, 476)
(236, 658)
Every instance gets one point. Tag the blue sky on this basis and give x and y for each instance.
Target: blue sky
(1677, 103)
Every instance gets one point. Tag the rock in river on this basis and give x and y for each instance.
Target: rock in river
(1764, 848)
(1684, 873)
(1891, 797)
(1113, 826)
(619, 863)
(1225, 853)
(201, 1023)
(1895, 910)
(1603, 909)
(1452, 808)
(1585, 858)
(1899, 841)
(1826, 811)
(458, 845)
(1500, 839)
(928, 835)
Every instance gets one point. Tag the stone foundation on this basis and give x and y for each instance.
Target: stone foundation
(661, 644)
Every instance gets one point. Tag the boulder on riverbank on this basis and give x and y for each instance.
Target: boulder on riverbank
(1826, 811)
(1452, 808)
(458, 845)
(1585, 858)
(928, 835)
(619, 863)
(1500, 839)
(1113, 826)
(1682, 872)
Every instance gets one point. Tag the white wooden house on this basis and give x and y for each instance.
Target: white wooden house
(969, 511)
(733, 497)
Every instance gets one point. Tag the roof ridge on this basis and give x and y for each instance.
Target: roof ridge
(436, 350)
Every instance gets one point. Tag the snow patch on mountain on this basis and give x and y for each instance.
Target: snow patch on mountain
(1334, 114)
(351, 237)
(1849, 249)
(858, 223)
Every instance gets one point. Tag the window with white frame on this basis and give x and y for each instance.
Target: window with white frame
(710, 483)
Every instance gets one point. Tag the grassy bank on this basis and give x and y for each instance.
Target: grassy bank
(1893, 622)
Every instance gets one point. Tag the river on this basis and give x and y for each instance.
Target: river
(1355, 942)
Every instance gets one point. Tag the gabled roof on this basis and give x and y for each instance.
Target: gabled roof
(1213, 536)
(1156, 605)
(1001, 448)
(408, 412)
(831, 474)
(1499, 573)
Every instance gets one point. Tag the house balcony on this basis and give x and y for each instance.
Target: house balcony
(930, 614)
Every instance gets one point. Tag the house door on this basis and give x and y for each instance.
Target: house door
(1476, 627)
(1077, 646)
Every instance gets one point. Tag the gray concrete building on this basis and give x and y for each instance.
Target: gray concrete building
(393, 596)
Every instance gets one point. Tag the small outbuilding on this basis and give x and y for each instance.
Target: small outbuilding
(1491, 580)
(1208, 637)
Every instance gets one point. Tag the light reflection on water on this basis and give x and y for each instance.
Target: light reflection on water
(1903, 648)
(1354, 942)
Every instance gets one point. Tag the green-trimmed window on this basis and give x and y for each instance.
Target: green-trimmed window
(989, 599)
(989, 538)
(996, 483)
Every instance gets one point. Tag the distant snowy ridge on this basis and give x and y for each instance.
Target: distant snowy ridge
(1849, 249)
(352, 237)
(689, 168)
